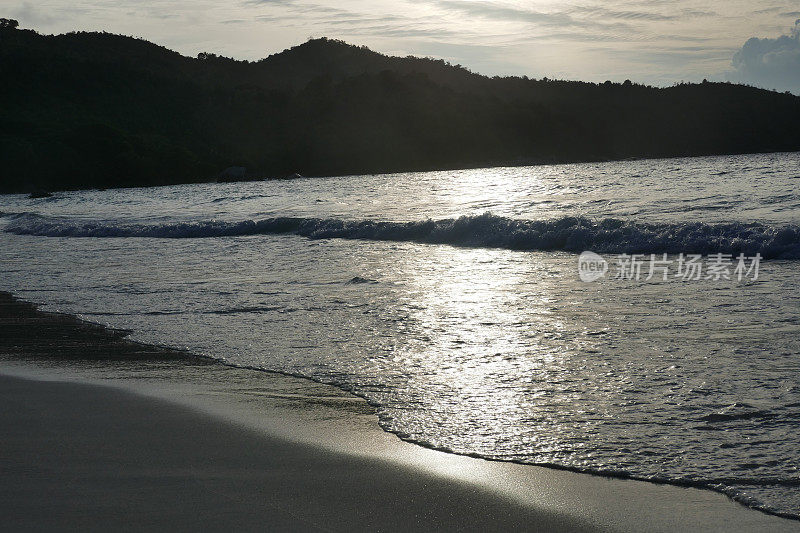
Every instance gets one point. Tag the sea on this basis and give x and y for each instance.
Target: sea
(459, 303)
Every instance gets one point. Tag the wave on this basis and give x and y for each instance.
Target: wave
(227, 311)
(570, 234)
(358, 280)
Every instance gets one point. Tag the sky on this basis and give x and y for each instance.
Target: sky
(657, 42)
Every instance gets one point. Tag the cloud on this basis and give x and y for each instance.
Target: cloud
(500, 12)
(31, 16)
(770, 63)
(601, 12)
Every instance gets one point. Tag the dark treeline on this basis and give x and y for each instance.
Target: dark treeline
(100, 110)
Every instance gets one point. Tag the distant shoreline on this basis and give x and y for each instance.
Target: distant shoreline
(389, 173)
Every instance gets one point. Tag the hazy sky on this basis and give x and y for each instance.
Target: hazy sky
(651, 41)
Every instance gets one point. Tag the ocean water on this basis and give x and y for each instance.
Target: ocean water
(452, 301)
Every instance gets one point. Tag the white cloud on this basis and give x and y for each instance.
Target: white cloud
(770, 63)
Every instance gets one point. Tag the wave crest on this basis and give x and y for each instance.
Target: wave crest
(570, 234)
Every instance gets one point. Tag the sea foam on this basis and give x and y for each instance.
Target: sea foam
(570, 234)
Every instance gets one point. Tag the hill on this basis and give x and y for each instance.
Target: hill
(101, 110)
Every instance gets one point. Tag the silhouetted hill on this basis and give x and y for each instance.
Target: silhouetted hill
(101, 110)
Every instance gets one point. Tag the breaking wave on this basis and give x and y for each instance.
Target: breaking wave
(570, 234)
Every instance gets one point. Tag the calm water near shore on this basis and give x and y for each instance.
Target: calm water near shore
(452, 301)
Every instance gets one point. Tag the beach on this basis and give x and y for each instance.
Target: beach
(436, 267)
(135, 437)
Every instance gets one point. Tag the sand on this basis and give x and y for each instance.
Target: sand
(81, 456)
(151, 442)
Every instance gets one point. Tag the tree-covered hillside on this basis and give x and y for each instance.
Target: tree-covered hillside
(101, 110)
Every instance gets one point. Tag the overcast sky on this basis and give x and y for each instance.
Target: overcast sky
(651, 41)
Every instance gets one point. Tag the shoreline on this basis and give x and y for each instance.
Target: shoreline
(456, 168)
(288, 414)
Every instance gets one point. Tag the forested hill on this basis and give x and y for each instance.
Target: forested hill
(100, 110)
